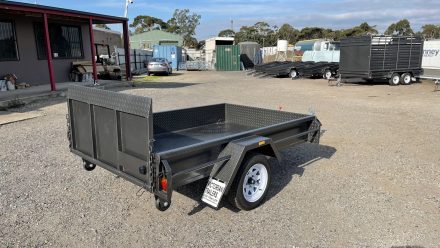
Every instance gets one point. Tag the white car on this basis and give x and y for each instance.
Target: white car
(159, 65)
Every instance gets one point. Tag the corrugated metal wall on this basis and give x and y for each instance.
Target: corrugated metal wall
(228, 58)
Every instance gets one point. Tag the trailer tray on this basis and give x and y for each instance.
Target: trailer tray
(162, 151)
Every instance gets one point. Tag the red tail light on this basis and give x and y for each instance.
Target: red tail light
(164, 184)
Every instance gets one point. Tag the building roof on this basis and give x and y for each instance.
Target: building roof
(155, 37)
(221, 38)
(36, 8)
(107, 30)
(156, 34)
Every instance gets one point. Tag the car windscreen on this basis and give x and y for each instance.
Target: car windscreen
(157, 60)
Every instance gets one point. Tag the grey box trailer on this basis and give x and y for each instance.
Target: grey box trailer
(396, 58)
(162, 151)
(296, 69)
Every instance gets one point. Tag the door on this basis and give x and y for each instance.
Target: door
(228, 57)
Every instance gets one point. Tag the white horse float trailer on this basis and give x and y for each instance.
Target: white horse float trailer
(431, 61)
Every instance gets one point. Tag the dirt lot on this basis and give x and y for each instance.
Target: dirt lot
(373, 182)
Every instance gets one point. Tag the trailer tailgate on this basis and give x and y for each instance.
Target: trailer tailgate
(112, 130)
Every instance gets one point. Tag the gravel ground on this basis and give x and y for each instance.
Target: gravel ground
(373, 182)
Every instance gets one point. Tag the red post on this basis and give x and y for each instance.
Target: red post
(127, 51)
(92, 45)
(49, 53)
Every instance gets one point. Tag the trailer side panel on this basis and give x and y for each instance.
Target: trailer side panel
(112, 130)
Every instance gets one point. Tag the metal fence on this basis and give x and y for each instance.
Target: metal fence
(196, 65)
(137, 58)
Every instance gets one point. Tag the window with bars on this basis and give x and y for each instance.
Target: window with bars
(65, 41)
(8, 41)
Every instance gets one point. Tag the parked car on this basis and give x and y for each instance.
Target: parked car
(159, 65)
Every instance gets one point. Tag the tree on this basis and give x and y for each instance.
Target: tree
(144, 23)
(287, 32)
(184, 23)
(401, 27)
(191, 42)
(430, 31)
(367, 29)
(104, 26)
(246, 33)
(260, 32)
(309, 33)
(360, 30)
(226, 33)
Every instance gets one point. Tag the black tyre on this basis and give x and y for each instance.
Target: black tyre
(88, 166)
(161, 205)
(405, 79)
(148, 73)
(395, 79)
(251, 184)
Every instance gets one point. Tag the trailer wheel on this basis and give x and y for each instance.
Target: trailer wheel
(161, 205)
(293, 74)
(395, 79)
(88, 166)
(251, 185)
(406, 79)
(327, 74)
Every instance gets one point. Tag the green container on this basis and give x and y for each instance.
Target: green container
(227, 57)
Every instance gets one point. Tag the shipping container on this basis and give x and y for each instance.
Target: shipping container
(431, 59)
(172, 53)
(397, 58)
(228, 57)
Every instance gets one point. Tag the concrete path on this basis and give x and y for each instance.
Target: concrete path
(7, 117)
(15, 98)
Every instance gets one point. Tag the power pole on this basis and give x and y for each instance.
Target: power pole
(127, 2)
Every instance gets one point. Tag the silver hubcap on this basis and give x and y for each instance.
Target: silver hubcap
(328, 75)
(407, 79)
(396, 80)
(255, 183)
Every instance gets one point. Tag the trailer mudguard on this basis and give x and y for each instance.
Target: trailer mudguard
(226, 171)
(315, 133)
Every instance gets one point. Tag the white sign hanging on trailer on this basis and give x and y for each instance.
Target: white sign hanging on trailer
(213, 192)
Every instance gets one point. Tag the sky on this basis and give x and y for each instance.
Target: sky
(217, 14)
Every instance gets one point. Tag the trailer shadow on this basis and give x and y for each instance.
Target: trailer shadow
(367, 82)
(155, 85)
(294, 161)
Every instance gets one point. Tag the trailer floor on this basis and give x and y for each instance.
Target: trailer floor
(192, 136)
(373, 182)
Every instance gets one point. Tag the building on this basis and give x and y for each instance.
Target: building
(210, 45)
(148, 39)
(106, 41)
(39, 43)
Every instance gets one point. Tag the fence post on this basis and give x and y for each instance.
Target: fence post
(135, 63)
